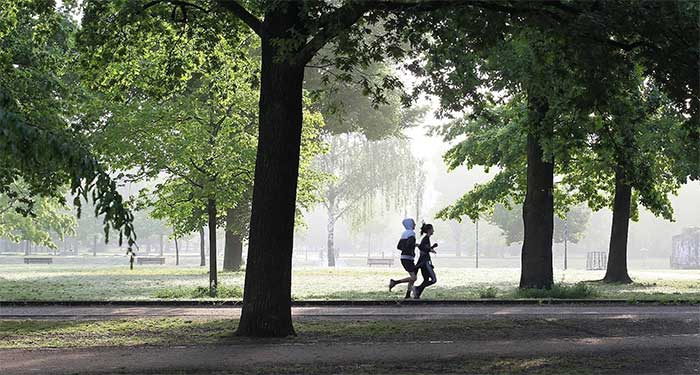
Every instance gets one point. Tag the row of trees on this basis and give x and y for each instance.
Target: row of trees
(564, 72)
(610, 128)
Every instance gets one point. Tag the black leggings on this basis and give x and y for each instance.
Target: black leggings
(429, 278)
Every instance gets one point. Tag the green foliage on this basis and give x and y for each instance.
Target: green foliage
(46, 220)
(37, 89)
(346, 107)
(190, 122)
(628, 123)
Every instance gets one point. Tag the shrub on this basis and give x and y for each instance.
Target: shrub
(199, 292)
(489, 292)
(559, 291)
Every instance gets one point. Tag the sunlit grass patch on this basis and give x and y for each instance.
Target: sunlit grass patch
(60, 334)
(64, 282)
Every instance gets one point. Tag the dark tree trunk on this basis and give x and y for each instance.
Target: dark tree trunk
(202, 252)
(267, 295)
(538, 208)
(617, 254)
(211, 214)
(177, 253)
(233, 249)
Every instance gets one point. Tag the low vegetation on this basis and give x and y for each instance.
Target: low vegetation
(579, 290)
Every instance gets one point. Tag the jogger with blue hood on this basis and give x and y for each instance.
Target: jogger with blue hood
(407, 245)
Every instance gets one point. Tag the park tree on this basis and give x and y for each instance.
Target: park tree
(362, 172)
(630, 141)
(634, 157)
(365, 144)
(528, 127)
(38, 91)
(200, 134)
(563, 81)
(202, 139)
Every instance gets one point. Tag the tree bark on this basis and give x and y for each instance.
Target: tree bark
(330, 243)
(211, 214)
(161, 245)
(203, 255)
(617, 253)
(538, 208)
(266, 308)
(177, 253)
(233, 249)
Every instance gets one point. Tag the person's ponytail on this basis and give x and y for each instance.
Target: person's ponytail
(425, 228)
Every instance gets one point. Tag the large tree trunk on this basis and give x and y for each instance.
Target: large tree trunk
(211, 214)
(617, 255)
(233, 249)
(538, 208)
(202, 252)
(267, 295)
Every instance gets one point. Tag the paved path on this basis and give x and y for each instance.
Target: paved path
(362, 312)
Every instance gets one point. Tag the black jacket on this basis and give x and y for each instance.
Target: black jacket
(407, 246)
(424, 248)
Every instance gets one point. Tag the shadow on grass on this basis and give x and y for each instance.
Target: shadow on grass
(178, 331)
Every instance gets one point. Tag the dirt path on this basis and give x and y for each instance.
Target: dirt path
(581, 311)
(264, 356)
(571, 339)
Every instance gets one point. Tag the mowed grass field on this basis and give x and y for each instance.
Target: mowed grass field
(72, 282)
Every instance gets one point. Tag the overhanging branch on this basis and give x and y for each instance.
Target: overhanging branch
(244, 15)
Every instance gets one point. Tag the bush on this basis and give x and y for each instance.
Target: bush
(559, 291)
(489, 292)
(199, 292)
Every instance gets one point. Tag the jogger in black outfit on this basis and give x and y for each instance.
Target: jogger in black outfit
(425, 264)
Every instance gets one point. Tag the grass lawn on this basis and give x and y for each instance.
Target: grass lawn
(68, 282)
